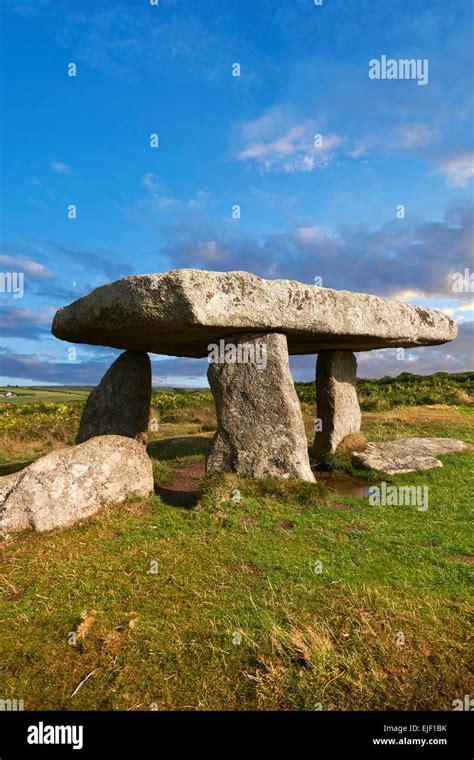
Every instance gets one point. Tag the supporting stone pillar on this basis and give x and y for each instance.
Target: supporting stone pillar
(120, 404)
(260, 430)
(338, 411)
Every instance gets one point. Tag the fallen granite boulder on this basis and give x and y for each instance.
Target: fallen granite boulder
(405, 454)
(260, 429)
(180, 312)
(120, 404)
(70, 484)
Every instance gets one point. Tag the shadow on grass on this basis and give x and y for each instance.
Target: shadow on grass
(177, 483)
(171, 448)
(9, 469)
(176, 497)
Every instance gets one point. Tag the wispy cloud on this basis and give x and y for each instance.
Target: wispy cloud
(409, 257)
(98, 260)
(455, 356)
(275, 142)
(279, 142)
(412, 135)
(150, 182)
(23, 264)
(21, 323)
(458, 169)
(160, 202)
(60, 168)
(68, 271)
(31, 367)
(179, 369)
(158, 198)
(120, 39)
(37, 368)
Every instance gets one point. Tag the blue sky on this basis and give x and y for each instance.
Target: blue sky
(306, 211)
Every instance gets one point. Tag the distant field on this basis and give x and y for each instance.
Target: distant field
(62, 392)
(456, 389)
(45, 393)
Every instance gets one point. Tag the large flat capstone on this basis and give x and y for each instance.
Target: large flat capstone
(180, 312)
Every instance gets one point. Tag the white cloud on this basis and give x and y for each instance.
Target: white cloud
(150, 182)
(408, 294)
(405, 261)
(274, 143)
(59, 168)
(278, 141)
(405, 136)
(209, 252)
(456, 312)
(159, 200)
(360, 150)
(202, 199)
(458, 169)
(155, 188)
(311, 234)
(29, 267)
(412, 136)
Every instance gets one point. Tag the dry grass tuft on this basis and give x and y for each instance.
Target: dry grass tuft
(87, 619)
(353, 442)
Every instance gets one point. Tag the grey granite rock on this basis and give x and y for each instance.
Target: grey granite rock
(120, 404)
(406, 454)
(180, 312)
(260, 430)
(336, 400)
(70, 484)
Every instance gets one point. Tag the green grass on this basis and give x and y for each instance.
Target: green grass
(244, 571)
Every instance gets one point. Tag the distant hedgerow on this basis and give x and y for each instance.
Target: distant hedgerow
(406, 390)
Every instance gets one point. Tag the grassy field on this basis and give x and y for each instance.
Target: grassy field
(223, 593)
(57, 393)
(43, 393)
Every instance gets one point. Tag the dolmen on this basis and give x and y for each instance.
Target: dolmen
(247, 326)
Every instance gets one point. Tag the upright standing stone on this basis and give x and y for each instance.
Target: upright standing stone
(336, 400)
(120, 404)
(260, 430)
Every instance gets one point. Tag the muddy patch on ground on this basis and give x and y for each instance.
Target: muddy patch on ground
(182, 491)
(344, 485)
